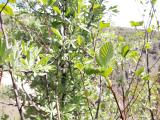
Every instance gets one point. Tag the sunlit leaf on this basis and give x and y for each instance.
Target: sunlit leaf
(125, 50)
(79, 40)
(79, 66)
(139, 71)
(44, 60)
(136, 24)
(12, 1)
(134, 54)
(153, 2)
(96, 6)
(28, 56)
(57, 10)
(121, 38)
(23, 61)
(7, 9)
(80, 4)
(103, 25)
(51, 2)
(44, 2)
(148, 45)
(107, 71)
(149, 30)
(105, 54)
(56, 32)
(146, 77)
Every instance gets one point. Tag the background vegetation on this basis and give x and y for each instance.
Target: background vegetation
(77, 65)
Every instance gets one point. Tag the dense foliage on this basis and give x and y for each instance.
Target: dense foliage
(76, 66)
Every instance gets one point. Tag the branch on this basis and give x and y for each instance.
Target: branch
(1, 23)
(115, 97)
(7, 103)
(47, 88)
(58, 111)
(99, 99)
(16, 95)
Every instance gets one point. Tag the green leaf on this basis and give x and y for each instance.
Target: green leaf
(91, 70)
(134, 55)
(105, 54)
(56, 32)
(125, 50)
(109, 82)
(44, 60)
(98, 60)
(57, 10)
(79, 40)
(8, 52)
(148, 45)
(115, 11)
(28, 56)
(80, 4)
(149, 30)
(107, 71)
(153, 2)
(103, 25)
(79, 66)
(139, 71)
(136, 24)
(91, 52)
(2, 48)
(113, 7)
(12, 1)
(96, 6)
(146, 77)
(23, 61)
(7, 9)
(44, 2)
(121, 38)
(86, 93)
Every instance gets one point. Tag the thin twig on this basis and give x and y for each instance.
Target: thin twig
(58, 111)
(99, 99)
(116, 100)
(7, 103)
(154, 63)
(47, 88)
(1, 73)
(115, 97)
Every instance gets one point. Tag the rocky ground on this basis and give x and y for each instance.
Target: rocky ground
(7, 104)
